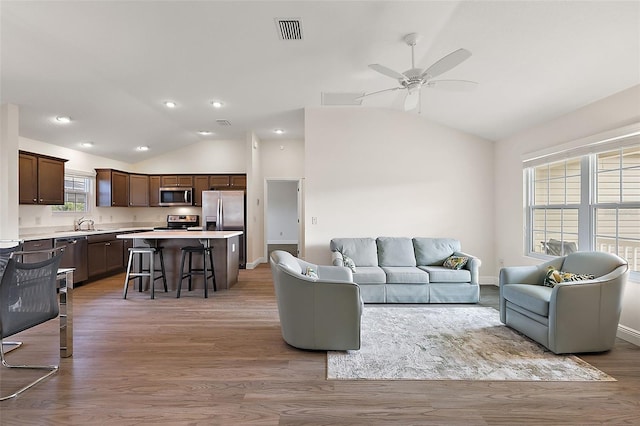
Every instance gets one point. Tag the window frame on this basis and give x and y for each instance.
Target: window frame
(619, 140)
(90, 180)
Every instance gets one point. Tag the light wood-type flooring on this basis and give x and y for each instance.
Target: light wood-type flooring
(222, 360)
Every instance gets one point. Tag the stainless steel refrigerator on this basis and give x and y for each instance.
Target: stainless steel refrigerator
(225, 211)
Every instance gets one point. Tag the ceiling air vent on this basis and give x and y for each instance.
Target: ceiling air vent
(289, 28)
(223, 122)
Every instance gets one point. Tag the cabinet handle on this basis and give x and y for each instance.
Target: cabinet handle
(41, 200)
(113, 203)
(35, 200)
(107, 244)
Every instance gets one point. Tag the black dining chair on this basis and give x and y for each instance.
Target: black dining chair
(28, 297)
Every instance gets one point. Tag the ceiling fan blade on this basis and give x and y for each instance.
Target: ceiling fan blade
(388, 72)
(443, 65)
(379, 91)
(454, 85)
(411, 101)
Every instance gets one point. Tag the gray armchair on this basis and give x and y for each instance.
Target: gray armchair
(320, 313)
(572, 317)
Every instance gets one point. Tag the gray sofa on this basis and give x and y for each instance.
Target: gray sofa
(408, 270)
(320, 311)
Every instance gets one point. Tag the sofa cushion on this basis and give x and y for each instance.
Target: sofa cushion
(434, 251)
(363, 251)
(405, 275)
(395, 251)
(455, 262)
(369, 275)
(554, 277)
(440, 274)
(534, 298)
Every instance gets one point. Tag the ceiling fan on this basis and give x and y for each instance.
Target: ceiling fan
(415, 78)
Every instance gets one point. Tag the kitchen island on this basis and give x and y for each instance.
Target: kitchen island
(225, 246)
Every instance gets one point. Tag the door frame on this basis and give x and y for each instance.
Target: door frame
(300, 182)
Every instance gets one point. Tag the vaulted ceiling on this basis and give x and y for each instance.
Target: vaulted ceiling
(110, 65)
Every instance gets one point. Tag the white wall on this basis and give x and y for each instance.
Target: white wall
(282, 212)
(212, 156)
(378, 172)
(282, 159)
(615, 111)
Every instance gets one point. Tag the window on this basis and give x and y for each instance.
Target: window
(76, 194)
(587, 202)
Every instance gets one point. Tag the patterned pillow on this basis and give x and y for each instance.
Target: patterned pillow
(311, 273)
(554, 277)
(455, 262)
(348, 262)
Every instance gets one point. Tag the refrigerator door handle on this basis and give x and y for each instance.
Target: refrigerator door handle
(219, 225)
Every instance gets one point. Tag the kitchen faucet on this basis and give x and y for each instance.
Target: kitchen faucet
(79, 222)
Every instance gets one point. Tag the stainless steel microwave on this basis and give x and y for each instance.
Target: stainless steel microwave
(178, 196)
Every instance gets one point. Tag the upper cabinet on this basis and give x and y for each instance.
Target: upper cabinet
(112, 188)
(177, 180)
(138, 190)
(228, 181)
(41, 179)
(154, 190)
(200, 183)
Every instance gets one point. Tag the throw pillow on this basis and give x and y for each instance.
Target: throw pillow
(554, 277)
(311, 273)
(348, 262)
(455, 262)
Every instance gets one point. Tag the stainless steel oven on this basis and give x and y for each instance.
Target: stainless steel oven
(178, 196)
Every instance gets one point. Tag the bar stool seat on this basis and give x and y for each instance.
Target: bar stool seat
(145, 272)
(207, 254)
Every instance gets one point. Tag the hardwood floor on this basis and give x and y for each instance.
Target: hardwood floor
(222, 360)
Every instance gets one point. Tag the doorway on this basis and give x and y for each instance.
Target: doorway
(282, 212)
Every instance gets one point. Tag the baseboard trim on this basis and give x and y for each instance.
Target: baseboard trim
(255, 263)
(629, 334)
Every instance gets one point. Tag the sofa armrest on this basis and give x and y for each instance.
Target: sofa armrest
(336, 258)
(334, 273)
(473, 265)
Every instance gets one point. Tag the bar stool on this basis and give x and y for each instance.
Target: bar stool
(206, 253)
(145, 272)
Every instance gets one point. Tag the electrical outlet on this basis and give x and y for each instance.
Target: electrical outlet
(314, 220)
(135, 217)
(38, 220)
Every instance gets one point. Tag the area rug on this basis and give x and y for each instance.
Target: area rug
(450, 343)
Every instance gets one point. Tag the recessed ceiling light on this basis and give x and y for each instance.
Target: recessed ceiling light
(63, 119)
(217, 104)
(205, 132)
(142, 148)
(278, 131)
(87, 144)
(170, 104)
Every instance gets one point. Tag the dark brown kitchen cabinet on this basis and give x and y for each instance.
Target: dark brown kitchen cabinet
(138, 190)
(219, 181)
(105, 254)
(238, 181)
(41, 179)
(37, 245)
(200, 183)
(154, 191)
(112, 188)
(177, 180)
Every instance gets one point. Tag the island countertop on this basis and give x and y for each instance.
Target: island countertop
(199, 235)
(224, 244)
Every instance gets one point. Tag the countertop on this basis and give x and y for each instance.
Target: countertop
(67, 234)
(161, 235)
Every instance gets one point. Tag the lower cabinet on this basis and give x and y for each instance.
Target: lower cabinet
(37, 245)
(105, 254)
